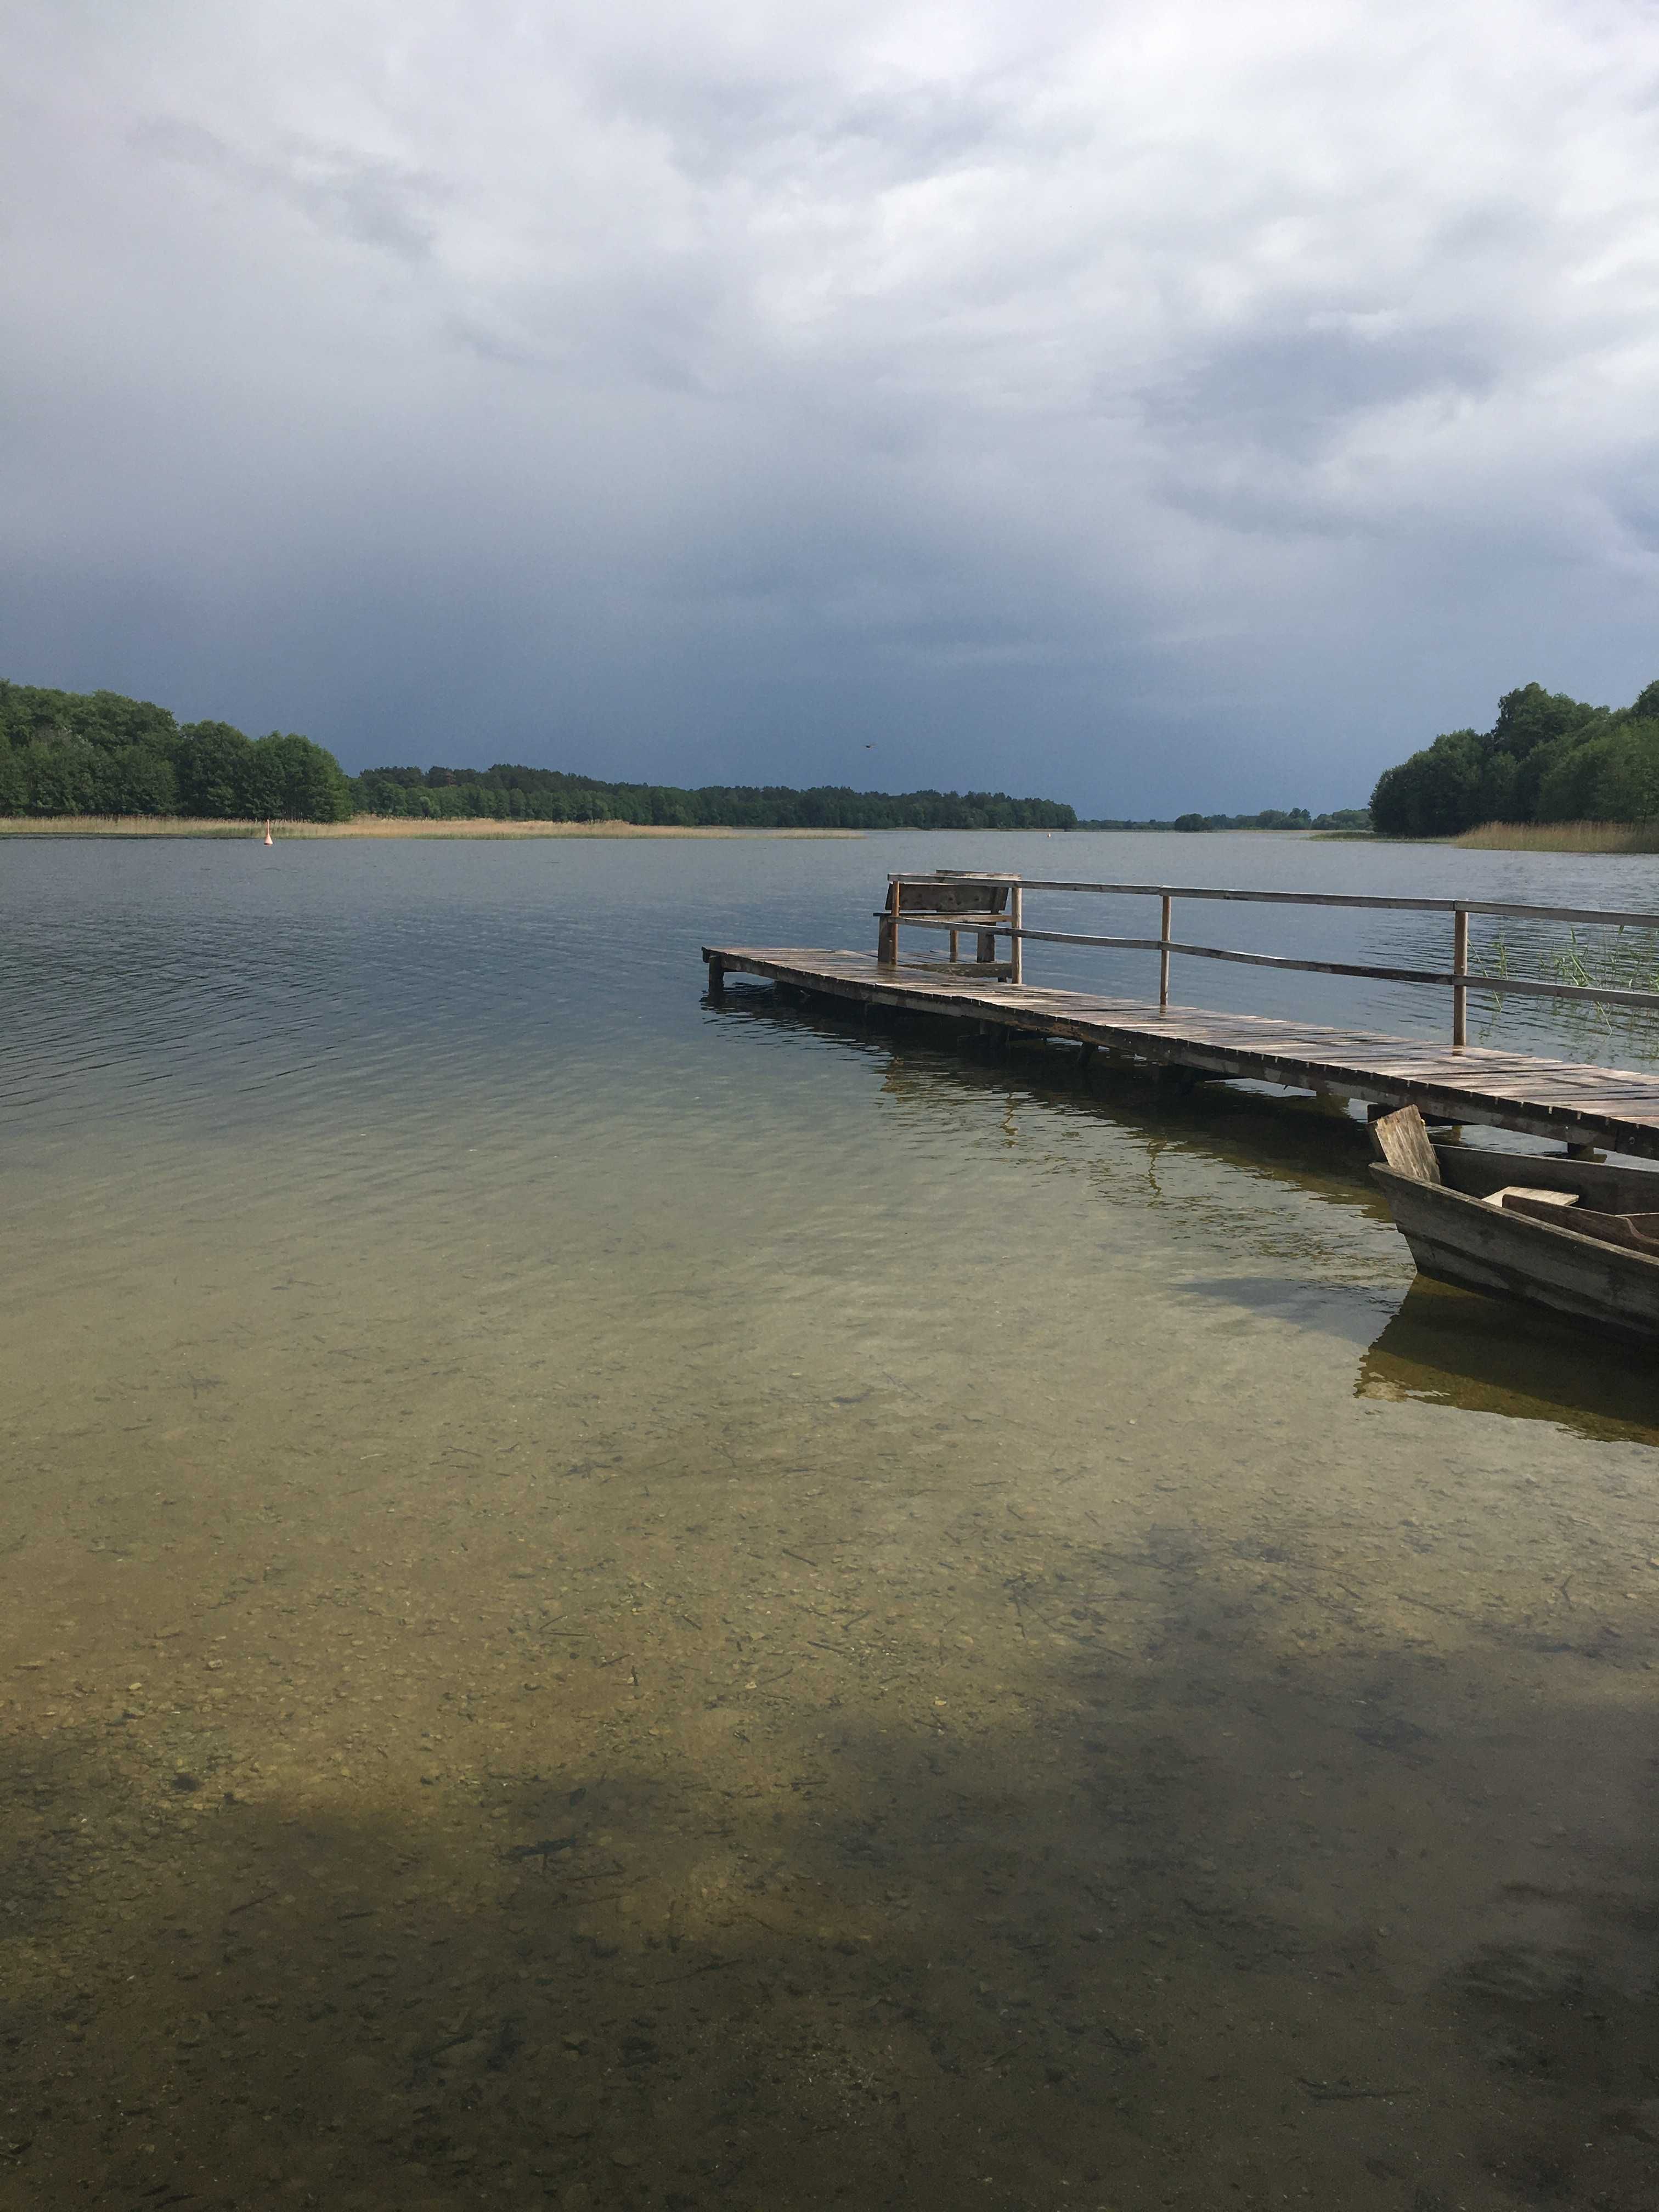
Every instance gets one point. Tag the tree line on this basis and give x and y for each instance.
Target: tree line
(73, 752)
(509, 793)
(70, 752)
(1269, 818)
(98, 752)
(1547, 758)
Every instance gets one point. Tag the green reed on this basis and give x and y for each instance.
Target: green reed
(1628, 960)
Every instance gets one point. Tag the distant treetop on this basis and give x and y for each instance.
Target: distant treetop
(1270, 817)
(543, 794)
(1546, 758)
(69, 752)
(76, 752)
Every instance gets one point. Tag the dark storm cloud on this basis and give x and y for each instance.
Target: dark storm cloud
(1188, 406)
(1292, 390)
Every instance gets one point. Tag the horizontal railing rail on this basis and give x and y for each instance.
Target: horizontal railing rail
(1460, 979)
(1619, 917)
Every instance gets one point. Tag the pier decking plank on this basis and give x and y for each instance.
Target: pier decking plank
(1570, 1101)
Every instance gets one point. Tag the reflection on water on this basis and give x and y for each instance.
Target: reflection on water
(612, 1601)
(1448, 1347)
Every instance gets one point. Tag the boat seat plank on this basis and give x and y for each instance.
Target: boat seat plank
(1527, 1198)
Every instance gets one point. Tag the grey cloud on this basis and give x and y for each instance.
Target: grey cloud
(1288, 391)
(1217, 406)
(1253, 437)
(374, 204)
(502, 348)
(718, 128)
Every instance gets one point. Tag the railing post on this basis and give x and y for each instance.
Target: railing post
(1460, 967)
(1016, 911)
(887, 930)
(1164, 956)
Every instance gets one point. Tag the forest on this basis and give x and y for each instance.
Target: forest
(1353, 819)
(69, 752)
(540, 794)
(99, 753)
(96, 752)
(1547, 758)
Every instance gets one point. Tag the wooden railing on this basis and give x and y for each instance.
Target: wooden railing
(949, 900)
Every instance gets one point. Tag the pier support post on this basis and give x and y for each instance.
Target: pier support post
(716, 977)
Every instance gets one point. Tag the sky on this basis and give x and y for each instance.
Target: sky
(1190, 406)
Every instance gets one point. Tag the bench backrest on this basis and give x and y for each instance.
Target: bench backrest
(952, 898)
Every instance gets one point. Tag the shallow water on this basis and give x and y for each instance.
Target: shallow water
(615, 1601)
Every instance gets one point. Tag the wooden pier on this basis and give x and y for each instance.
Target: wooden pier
(1574, 1103)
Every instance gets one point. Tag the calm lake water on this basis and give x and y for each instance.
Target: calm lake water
(613, 1600)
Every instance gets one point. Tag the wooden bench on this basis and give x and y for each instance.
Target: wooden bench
(972, 905)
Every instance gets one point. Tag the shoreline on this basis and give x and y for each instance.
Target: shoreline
(369, 825)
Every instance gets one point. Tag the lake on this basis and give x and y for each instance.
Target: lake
(613, 1600)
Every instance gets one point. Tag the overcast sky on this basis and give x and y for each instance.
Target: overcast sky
(1199, 404)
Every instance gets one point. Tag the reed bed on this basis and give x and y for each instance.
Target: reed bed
(362, 825)
(1621, 959)
(1561, 837)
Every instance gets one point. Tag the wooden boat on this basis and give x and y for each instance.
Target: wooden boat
(1578, 1236)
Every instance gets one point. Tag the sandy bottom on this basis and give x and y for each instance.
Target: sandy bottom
(527, 1683)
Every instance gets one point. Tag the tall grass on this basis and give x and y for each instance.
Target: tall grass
(1561, 837)
(1628, 960)
(362, 825)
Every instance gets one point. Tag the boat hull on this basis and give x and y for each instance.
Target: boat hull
(1459, 1238)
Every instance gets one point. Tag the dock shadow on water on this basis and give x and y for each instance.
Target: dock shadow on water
(920, 1637)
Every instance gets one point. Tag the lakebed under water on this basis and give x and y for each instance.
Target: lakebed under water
(617, 1601)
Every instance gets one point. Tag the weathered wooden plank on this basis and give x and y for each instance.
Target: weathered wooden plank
(1545, 1205)
(1486, 1248)
(1448, 979)
(1403, 1140)
(1478, 1172)
(1570, 1104)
